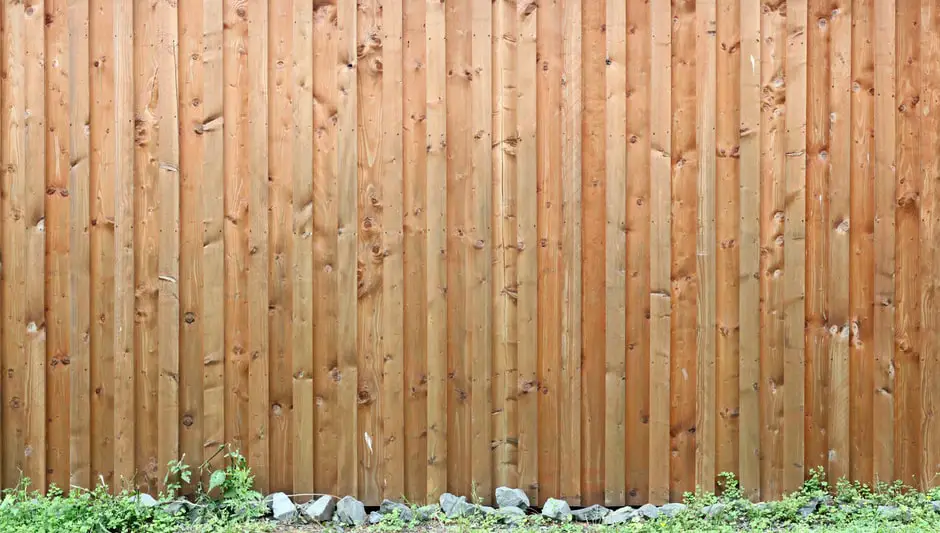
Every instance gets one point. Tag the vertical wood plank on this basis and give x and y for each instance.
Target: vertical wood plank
(79, 288)
(371, 254)
(235, 230)
(348, 64)
(841, 118)
(638, 253)
(660, 249)
(907, 449)
(14, 241)
(884, 236)
(593, 237)
(305, 322)
(214, 210)
(548, 191)
(34, 217)
(572, 105)
(58, 272)
(324, 219)
(102, 204)
(859, 433)
(750, 273)
(280, 246)
(929, 239)
(527, 247)
(436, 257)
(728, 227)
(686, 165)
(124, 316)
(794, 244)
(705, 138)
(615, 260)
(259, 407)
(504, 293)
(191, 153)
(819, 168)
(168, 193)
(146, 235)
(479, 257)
(773, 100)
(415, 252)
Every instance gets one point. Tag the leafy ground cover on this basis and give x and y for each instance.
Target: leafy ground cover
(225, 501)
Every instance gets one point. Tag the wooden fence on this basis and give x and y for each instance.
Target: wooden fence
(599, 250)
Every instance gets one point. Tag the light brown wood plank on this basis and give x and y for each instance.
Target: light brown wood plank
(615, 433)
(527, 248)
(415, 250)
(858, 434)
(235, 229)
(213, 210)
(504, 293)
(593, 238)
(772, 57)
(14, 237)
(819, 168)
(102, 204)
(884, 237)
(34, 434)
(79, 280)
(705, 135)
(571, 393)
(750, 275)
(146, 235)
(794, 244)
(436, 257)
(58, 271)
(305, 441)
(929, 238)
(371, 254)
(347, 230)
(124, 316)
(907, 365)
(280, 246)
(728, 228)
(660, 249)
(168, 216)
(323, 210)
(192, 154)
(638, 253)
(548, 188)
(686, 166)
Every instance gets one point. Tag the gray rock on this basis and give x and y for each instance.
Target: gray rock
(486, 509)
(507, 497)
(448, 501)
(672, 509)
(282, 508)
(936, 506)
(319, 510)
(809, 508)
(624, 514)
(178, 506)
(427, 512)
(594, 513)
(143, 499)
(556, 509)
(350, 511)
(761, 507)
(713, 510)
(649, 511)
(510, 515)
(462, 508)
(893, 512)
(374, 518)
(404, 512)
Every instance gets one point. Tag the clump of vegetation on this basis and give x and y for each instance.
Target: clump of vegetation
(226, 503)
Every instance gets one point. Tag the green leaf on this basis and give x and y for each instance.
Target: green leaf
(217, 478)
